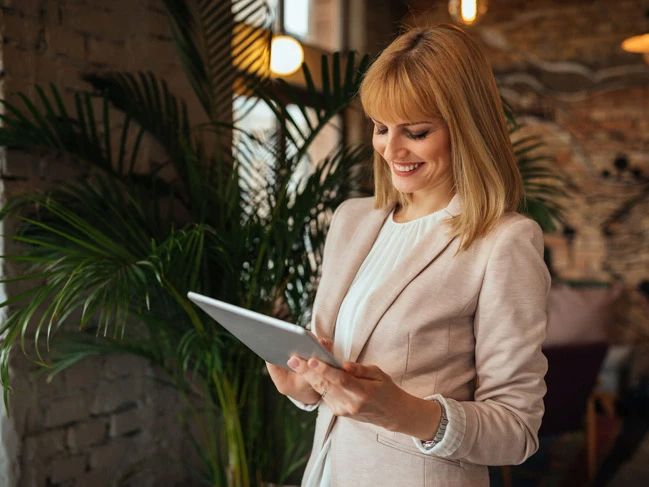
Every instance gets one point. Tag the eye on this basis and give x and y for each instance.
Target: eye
(380, 131)
(418, 136)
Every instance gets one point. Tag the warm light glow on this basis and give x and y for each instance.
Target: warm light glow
(638, 44)
(467, 12)
(286, 55)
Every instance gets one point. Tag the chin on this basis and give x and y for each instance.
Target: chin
(403, 188)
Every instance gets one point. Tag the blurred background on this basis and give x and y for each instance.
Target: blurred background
(575, 75)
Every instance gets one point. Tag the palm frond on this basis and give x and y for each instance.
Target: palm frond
(54, 129)
(543, 184)
(148, 101)
(224, 47)
(337, 93)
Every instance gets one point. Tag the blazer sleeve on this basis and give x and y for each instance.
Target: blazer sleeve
(502, 422)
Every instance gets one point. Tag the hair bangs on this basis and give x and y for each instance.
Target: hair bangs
(390, 93)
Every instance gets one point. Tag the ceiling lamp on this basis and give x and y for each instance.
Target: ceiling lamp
(638, 44)
(467, 12)
(286, 55)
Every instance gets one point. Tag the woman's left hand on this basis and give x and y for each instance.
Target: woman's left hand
(363, 393)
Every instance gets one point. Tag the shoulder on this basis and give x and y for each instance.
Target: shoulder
(515, 227)
(353, 209)
(513, 235)
(511, 232)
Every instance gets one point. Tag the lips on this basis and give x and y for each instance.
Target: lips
(406, 169)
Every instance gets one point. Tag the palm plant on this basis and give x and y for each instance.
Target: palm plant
(228, 213)
(119, 249)
(544, 186)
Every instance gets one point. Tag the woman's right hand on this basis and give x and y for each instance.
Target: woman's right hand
(294, 385)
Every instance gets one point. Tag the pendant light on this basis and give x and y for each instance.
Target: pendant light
(638, 44)
(286, 55)
(467, 12)
(286, 52)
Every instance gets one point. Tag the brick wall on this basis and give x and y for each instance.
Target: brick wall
(106, 418)
(560, 65)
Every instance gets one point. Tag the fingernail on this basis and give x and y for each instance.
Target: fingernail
(351, 367)
(293, 363)
(313, 363)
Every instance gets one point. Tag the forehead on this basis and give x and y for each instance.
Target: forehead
(396, 108)
(394, 98)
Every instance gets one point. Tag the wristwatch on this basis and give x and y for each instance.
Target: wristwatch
(441, 429)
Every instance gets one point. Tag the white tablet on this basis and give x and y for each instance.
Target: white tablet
(273, 340)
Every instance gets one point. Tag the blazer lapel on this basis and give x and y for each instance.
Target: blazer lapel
(382, 298)
(355, 253)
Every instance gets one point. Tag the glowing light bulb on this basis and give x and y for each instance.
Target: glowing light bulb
(467, 12)
(286, 55)
(638, 44)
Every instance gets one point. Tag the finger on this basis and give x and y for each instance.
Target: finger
(317, 366)
(325, 342)
(328, 344)
(359, 371)
(301, 367)
(322, 373)
(297, 364)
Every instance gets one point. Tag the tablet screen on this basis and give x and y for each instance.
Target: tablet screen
(273, 340)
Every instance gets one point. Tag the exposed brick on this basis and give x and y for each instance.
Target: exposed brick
(122, 366)
(94, 22)
(126, 422)
(98, 477)
(19, 31)
(111, 454)
(54, 42)
(82, 435)
(34, 476)
(65, 411)
(69, 43)
(82, 376)
(67, 468)
(23, 165)
(105, 51)
(112, 396)
(44, 445)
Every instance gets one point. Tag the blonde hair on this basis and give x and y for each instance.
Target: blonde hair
(440, 72)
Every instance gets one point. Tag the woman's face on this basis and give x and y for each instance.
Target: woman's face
(418, 153)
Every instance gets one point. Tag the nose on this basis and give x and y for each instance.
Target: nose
(394, 150)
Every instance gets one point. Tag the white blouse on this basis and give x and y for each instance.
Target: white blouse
(390, 248)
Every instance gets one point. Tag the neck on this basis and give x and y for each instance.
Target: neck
(424, 204)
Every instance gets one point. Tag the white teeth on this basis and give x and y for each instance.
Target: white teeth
(407, 167)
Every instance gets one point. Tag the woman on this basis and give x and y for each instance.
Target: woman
(433, 292)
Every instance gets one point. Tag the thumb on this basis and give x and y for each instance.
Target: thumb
(364, 371)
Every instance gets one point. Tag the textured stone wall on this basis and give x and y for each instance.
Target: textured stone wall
(106, 419)
(561, 67)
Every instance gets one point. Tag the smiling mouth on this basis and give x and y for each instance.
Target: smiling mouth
(406, 167)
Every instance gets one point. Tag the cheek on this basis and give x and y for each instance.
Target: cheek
(378, 145)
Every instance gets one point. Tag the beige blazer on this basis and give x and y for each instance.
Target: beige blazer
(441, 323)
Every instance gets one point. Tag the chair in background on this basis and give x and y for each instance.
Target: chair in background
(572, 376)
(571, 398)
